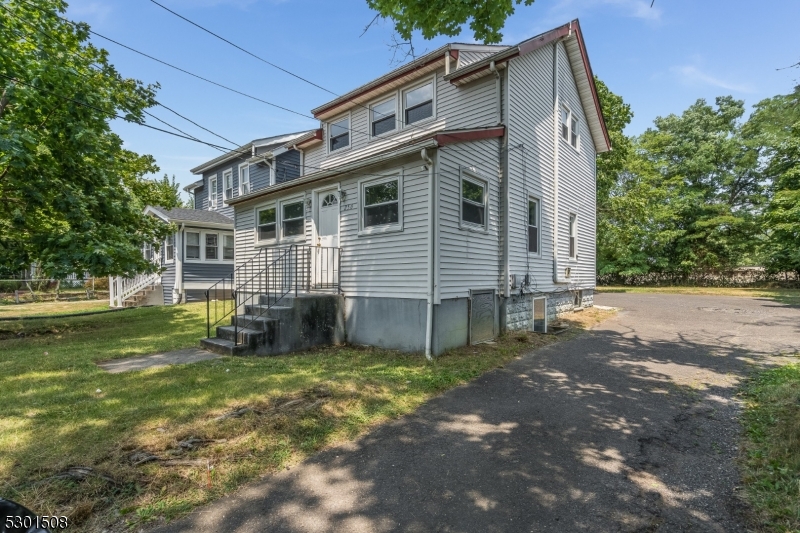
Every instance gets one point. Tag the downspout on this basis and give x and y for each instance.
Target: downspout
(179, 263)
(497, 87)
(504, 156)
(557, 274)
(431, 232)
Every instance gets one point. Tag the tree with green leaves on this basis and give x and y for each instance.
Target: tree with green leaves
(71, 197)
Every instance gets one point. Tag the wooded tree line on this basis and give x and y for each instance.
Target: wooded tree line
(704, 191)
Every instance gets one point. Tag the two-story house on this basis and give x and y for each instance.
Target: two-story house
(201, 251)
(456, 194)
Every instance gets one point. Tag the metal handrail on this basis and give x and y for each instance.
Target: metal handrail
(226, 287)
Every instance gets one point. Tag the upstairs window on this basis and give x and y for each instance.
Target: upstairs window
(192, 245)
(418, 103)
(384, 117)
(212, 246)
(227, 247)
(293, 222)
(381, 203)
(569, 127)
(473, 202)
(169, 247)
(573, 132)
(227, 180)
(212, 192)
(244, 179)
(533, 226)
(339, 134)
(573, 236)
(266, 224)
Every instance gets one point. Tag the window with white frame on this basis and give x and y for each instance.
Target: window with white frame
(212, 246)
(533, 225)
(244, 179)
(569, 127)
(267, 224)
(384, 117)
(147, 251)
(381, 203)
(212, 192)
(169, 247)
(227, 181)
(573, 236)
(227, 247)
(192, 245)
(339, 134)
(418, 103)
(473, 202)
(292, 219)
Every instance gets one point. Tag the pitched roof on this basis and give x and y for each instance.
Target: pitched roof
(197, 216)
(245, 151)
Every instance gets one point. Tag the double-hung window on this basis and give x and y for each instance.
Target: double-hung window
(381, 203)
(212, 246)
(227, 180)
(169, 247)
(573, 236)
(192, 245)
(383, 117)
(293, 219)
(339, 134)
(473, 202)
(418, 103)
(533, 226)
(244, 179)
(227, 247)
(267, 224)
(212, 192)
(573, 132)
(569, 127)
(147, 250)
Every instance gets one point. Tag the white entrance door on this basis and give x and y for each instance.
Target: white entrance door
(327, 256)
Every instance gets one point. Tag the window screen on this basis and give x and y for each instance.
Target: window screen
(293, 219)
(381, 204)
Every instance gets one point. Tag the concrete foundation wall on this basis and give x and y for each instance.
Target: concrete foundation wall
(450, 324)
(394, 323)
(519, 308)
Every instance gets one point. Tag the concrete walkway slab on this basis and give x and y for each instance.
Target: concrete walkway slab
(178, 357)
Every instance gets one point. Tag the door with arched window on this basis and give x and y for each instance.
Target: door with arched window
(328, 224)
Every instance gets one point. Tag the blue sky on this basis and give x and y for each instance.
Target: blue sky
(659, 59)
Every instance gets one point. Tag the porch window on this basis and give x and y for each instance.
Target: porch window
(339, 134)
(533, 226)
(244, 179)
(169, 247)
(212, 192)
(293, 221)
(573, 236)
(266, 224)
(473, 202)
(212, 246)
(227, 179)
(148, 252)
(383, 117)
(227, 247)
(192, 245)
(381, 203)
(418, 103)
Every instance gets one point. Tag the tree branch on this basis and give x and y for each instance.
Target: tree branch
(4, 99)
(368, 26)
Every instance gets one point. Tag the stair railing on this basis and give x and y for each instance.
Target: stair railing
(222, 293)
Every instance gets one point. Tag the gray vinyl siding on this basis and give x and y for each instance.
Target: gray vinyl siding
(531, 124)
(467, 57)
(259, 177)
(168, 282)
(205, 272)
(287, 166)
(470, 106)
(468, 258)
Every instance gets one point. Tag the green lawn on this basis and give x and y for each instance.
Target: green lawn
(771, 452)
(60, 410)
(52, 308)
(787, 296)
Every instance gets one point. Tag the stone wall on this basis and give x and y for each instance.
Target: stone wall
(519, 308)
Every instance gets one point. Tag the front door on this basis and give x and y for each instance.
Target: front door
(327, 254)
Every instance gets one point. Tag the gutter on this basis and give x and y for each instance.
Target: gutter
(557, 274)
(431, 257)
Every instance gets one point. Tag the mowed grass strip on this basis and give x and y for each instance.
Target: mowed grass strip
(52, 308)
(771, 452)
(786, 296)
(61, 411)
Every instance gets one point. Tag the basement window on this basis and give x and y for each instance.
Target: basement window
(540, 315)
(293, 221)
(266, 224)
(383, 117)
(192, 245)
(418, 103)
(339, 134)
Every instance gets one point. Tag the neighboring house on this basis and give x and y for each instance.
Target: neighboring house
(201, 252)
(456, 194)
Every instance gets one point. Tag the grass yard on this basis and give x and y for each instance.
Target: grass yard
(52, 308)
(146, 438)
(787, 296)
(771, 453)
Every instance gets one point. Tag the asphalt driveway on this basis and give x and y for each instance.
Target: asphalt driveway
(630, 427)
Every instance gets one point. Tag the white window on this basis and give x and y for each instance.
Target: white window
(573, 236)
(169, 247)
(192, 245)
(266, 224)
(227, 247)
(147, 251)
(384, 117)
(473, 202)
(212, 192)
(339, 134)
(212, 246)
(569, 127)
(292, 219)
(533, 225)
(244, 179)
(227, 180)
(418, 103)
(380, 204)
